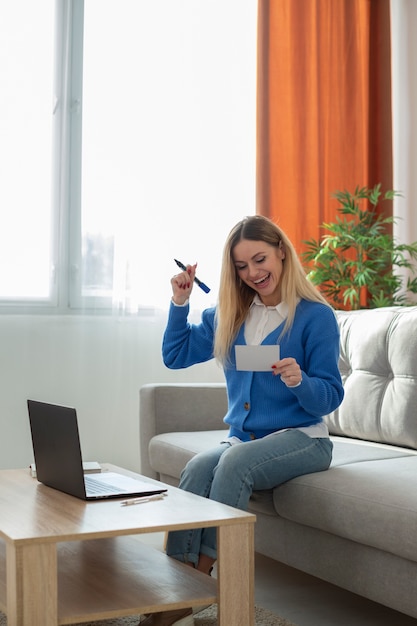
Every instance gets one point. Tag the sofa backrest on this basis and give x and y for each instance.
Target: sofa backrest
(378, 363)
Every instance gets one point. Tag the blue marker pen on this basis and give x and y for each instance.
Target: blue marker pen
(196, 280)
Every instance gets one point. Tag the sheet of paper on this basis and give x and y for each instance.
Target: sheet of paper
(256, 358)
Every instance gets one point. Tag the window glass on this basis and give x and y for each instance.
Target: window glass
(26, 70)
(168, 136)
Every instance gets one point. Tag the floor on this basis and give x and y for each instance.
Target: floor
(308, 601)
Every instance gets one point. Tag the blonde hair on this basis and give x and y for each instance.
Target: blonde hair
(235, 297)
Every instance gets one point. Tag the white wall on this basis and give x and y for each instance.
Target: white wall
(96, 364)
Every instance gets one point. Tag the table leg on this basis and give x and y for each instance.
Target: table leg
(235, 572)
(32, 585)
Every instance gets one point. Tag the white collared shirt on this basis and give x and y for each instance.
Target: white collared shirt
(262, 320)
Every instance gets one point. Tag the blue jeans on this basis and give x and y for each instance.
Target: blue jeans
(229, 474)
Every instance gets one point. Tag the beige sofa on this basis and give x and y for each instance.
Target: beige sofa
(354, 525)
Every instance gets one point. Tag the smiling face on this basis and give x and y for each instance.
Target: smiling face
(259, 265)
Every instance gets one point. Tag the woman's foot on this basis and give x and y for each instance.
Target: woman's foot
(179, 617)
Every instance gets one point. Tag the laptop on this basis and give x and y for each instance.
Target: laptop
(57, 453)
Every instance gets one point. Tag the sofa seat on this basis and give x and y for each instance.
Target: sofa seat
(355, 487)
(334, 501)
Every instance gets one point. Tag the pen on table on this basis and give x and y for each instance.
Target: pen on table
(196, 280)
(158, 496)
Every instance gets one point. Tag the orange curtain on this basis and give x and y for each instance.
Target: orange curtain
(324, 107)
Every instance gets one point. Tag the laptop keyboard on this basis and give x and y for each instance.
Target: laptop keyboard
(96, 487)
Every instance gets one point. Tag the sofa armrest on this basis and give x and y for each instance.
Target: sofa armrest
(178, 407)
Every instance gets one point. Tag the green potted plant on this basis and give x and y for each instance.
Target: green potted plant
(357, 263)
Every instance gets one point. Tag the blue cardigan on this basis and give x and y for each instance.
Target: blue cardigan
(259, 403)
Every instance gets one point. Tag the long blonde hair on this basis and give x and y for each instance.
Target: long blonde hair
(235, 297)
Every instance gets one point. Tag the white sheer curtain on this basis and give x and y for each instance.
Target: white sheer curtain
(404, 107)
(404, 102)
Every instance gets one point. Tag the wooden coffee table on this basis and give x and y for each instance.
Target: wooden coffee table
(64, 561)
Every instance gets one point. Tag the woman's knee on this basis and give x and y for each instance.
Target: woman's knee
(202, 464)
(195, 465)
(234, 459)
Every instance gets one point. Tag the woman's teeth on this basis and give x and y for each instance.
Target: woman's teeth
(261, 280)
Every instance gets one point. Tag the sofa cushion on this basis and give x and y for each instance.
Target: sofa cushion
(170, 452)
(371, 502)
(379, 370)
(347, 450)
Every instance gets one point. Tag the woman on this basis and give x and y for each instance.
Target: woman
(275, 417)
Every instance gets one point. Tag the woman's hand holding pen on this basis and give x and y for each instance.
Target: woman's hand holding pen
(182, 284)
(289, 370)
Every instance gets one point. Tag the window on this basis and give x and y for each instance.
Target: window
(153, 145)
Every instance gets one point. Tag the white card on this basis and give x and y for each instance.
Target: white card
(256, 358)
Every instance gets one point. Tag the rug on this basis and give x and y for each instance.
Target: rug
(207, 617)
